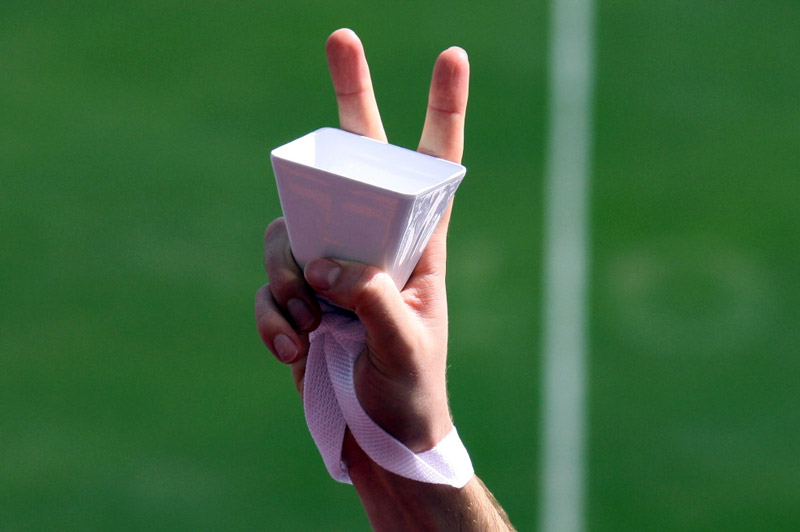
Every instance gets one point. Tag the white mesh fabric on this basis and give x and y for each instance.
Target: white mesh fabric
(331, 403)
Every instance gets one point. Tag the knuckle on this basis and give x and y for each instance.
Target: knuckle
(369, 288)
(283, 284)
(276, 227)
(262, 294)
(282, 271)
(268, 320)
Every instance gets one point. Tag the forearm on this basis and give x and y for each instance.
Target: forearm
(394, 503)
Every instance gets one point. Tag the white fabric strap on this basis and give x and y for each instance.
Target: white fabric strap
(331, 404)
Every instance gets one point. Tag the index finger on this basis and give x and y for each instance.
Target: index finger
(358, 110)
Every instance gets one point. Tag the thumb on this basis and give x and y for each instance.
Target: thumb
(370, 293)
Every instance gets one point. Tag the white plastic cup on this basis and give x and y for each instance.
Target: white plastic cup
(352, 197)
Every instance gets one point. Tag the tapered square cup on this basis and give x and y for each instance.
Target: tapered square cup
(351, 197)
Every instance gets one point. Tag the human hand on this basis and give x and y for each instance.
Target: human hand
(400, 376)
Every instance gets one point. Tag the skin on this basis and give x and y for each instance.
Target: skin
(400, 376)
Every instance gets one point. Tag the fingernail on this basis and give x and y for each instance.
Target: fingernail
(285, 348)
(301, 314)
(323, 274)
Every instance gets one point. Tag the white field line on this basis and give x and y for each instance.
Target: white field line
(566, 256)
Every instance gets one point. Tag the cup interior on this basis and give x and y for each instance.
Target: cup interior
(369, 161)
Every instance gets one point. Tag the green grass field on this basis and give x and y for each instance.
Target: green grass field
(135, 186)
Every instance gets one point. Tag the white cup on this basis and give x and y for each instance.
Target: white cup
(352, 197)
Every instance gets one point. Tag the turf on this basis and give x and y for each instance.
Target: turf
(135, 186)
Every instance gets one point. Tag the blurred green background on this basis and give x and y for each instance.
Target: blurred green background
(135, 187)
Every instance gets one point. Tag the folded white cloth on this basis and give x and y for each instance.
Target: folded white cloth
(331, 404)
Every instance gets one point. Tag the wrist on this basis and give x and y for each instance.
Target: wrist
(394, 503)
